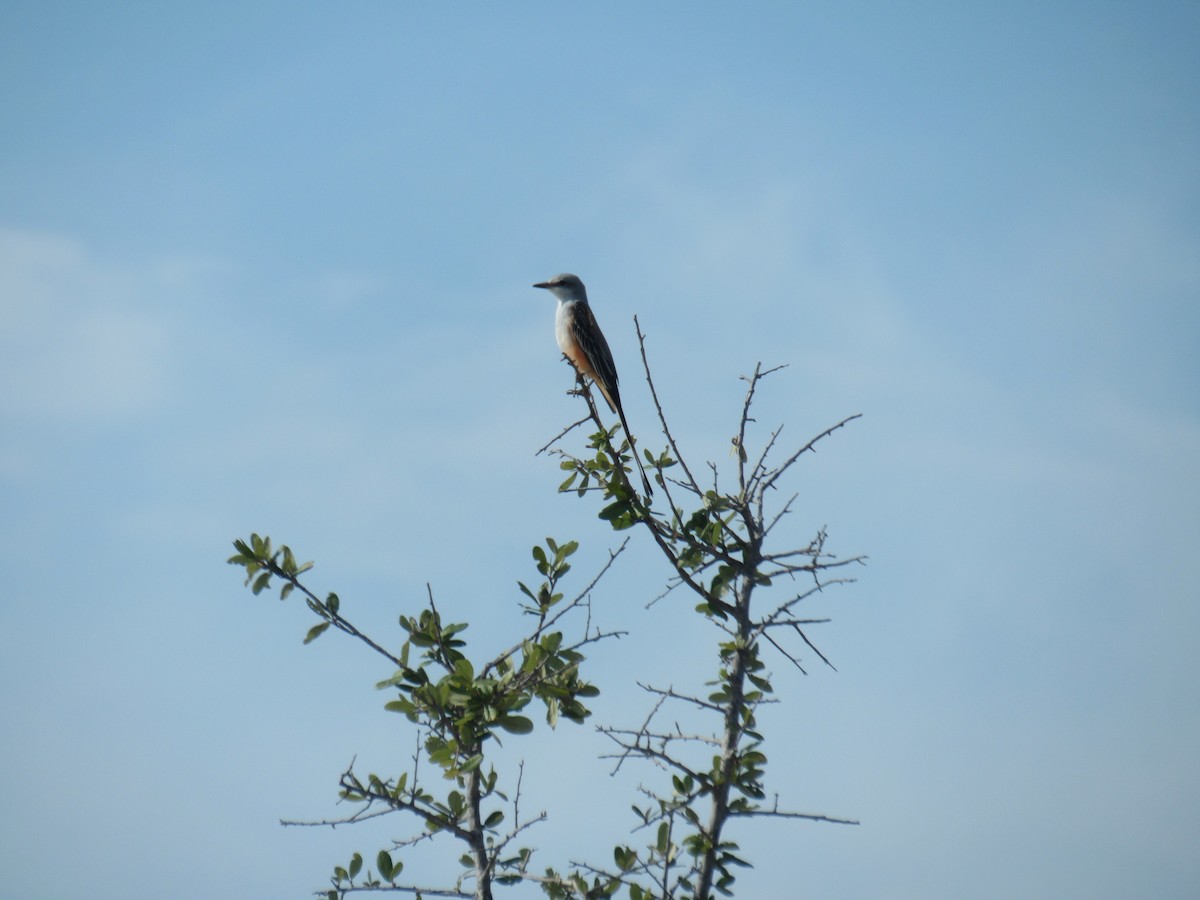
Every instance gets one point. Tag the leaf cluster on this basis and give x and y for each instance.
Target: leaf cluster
(460, 706)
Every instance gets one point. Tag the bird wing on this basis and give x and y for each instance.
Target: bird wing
(591, 341)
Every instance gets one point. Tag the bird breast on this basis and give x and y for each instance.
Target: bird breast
(562, 328)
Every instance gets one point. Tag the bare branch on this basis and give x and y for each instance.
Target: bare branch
(760, 465)
(645, 725)
(361, 816)
(562, 434)
(769, 478)
(745, 419)
(813, 647)
(781, 814)
(401, 888)
(637, 748)
(795, 662)
(788, 623)
(671, 694)
(517, 829)
(691, 484)
(785, 510)
(776, 618)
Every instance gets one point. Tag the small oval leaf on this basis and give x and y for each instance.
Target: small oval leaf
(315, 632)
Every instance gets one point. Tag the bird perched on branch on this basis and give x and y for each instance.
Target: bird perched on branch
(583, 343)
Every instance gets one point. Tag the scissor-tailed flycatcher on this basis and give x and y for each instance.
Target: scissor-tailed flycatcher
(583, 343)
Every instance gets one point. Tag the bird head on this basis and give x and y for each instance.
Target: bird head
(565, 287)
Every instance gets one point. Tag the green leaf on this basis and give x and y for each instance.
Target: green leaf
(316, 631)
(614, 510)
(625, 858)
(472, 764)
(401, 705)
(516, 724)
(759, 682)
(383, 862)
(355, 864)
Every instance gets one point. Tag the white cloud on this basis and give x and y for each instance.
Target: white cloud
(78, 340)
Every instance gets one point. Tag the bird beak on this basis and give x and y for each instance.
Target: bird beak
(542, 284)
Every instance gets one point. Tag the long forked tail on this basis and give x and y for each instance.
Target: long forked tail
(608, 389)
(634, 451)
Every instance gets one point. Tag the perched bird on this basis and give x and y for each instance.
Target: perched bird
(583, 343)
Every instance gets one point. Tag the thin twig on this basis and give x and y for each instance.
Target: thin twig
(566, 608)
(692, 486)
(790, 815)
(769, 478)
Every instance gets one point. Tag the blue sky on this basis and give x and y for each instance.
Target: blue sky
(267, 268)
